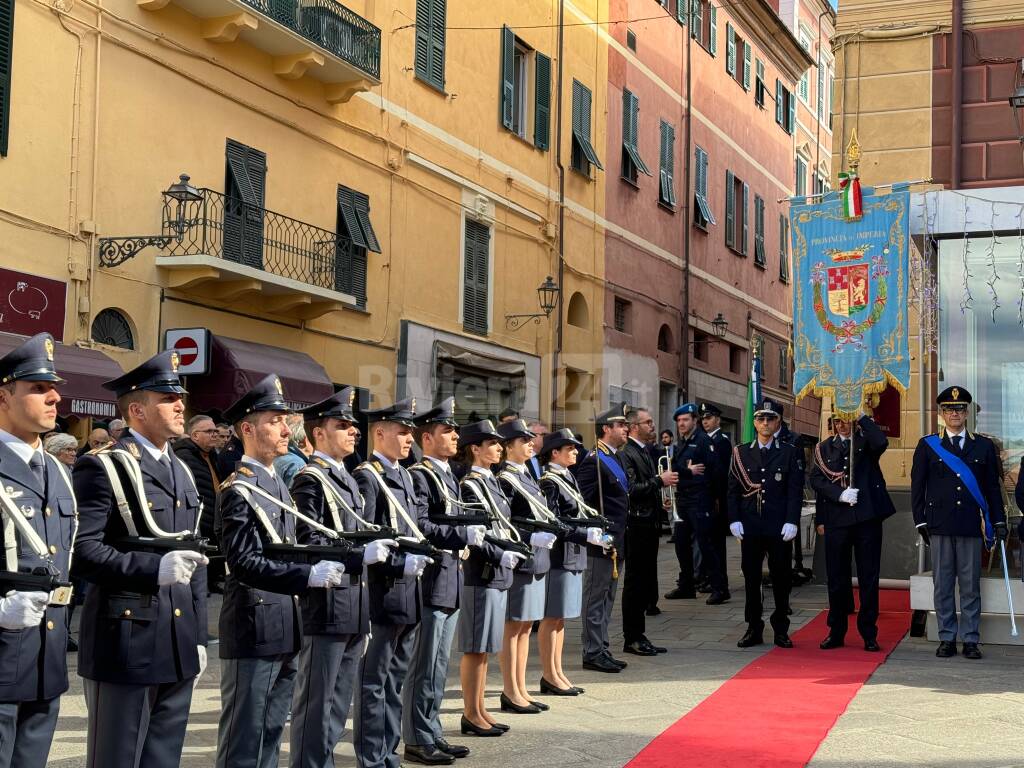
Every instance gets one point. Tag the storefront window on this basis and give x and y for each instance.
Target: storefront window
(478, 394)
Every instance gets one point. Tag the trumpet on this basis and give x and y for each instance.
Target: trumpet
(668, 493)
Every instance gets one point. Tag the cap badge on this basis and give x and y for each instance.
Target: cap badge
(625, 409)
(280, 389)
(48, 344)
(956, 393)
(413, 406)
(351, 398)
(174, 362)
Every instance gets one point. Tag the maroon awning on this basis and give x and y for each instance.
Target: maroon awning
(85, 371)
(237, 365)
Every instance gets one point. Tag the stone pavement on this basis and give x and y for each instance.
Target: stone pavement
(915, 711)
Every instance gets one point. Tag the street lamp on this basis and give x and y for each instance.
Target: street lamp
(1017, 102)
(547, 297)
(184, 193)
(719, 326)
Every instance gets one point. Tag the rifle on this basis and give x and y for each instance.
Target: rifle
(39, 579)
(410, 546)
(590, 521)
(556, 527)
(161, 545)
(308, 554)
(359, 538)
(461, 519)
(509, 545)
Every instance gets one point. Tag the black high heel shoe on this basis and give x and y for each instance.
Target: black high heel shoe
(553, 690)
(469, 728)
(540, 705)
(507, 705)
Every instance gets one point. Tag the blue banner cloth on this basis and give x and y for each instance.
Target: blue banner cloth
(850, 299)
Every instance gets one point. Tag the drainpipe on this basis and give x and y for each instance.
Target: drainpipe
(956, 63)
(684, 343)
(561, 220)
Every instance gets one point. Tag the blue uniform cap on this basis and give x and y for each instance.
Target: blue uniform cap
(442, 413)
(559, 438)
(685, 408)
(32, 360)
(267, 395)
(477, 432)
(510, 430)
(337, 406)
(403, 412)
(616, 413)
(768, 407)
(158, 374)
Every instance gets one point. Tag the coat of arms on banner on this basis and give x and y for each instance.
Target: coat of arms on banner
(848, 289)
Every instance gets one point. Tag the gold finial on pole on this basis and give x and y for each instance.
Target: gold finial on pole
(853, 152)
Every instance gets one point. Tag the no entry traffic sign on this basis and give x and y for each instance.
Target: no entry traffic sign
(193, 345)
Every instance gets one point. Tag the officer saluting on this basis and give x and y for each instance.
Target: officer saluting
(956, 496)
(336, 621)
(260, 625)
(766, 480)
(38, 511)
(852, 512)
(143, 628)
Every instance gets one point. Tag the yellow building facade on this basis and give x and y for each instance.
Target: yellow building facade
(375, 186)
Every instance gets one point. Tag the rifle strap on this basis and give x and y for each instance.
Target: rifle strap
(584, 510)
(479, 487)
(539, 509)
(15, 519)
(335, 500)
(395, 507)
(246, 490)
(134, 472)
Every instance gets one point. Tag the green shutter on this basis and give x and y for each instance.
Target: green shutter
(542, 102)
(745, 219)
(474, 289)
(430, 41)
(746, 65)
(243, 213)
(667, 164)
(423, 39)
(362, 205)
(778, 103)
(6, 64)
(730, 49)
(821, 88)
(791, 121)
(783, 248)
(347, 209)
(697, 24)
(730, 209)
(681, 11)
(508, 85)
(713, 31)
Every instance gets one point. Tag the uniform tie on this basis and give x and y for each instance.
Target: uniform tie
(764, 454)
(38, 469)
(957, 444)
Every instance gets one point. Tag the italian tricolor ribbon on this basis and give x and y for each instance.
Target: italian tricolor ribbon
(850, 195)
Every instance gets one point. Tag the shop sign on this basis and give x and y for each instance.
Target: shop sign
(30, 304)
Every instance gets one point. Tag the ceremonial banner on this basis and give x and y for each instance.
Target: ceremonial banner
(850, 298)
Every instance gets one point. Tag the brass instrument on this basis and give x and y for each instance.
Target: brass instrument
(668, 493)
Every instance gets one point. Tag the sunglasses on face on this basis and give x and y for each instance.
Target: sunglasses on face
(765, 418)
(954, 408)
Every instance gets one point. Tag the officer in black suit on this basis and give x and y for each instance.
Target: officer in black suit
(766, 481)
(642, 530)
(718, 487)
(395, 592)
(954, 478)
(38, 511)
(143, 626)
(336, 621)
(851, 512)
(260, 623)
(610, 499)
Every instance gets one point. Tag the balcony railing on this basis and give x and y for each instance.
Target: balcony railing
(329, 25)
(227, 228)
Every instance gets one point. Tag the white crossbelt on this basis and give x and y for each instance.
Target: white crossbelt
(246, 491)
(335, 499)
(479, 487)
(134, 470)
(584, 509)
(512, 478)
(446, 494)
(395, 507)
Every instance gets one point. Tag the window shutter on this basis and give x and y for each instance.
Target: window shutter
(821, 88)
(508, 47)
(730, 209)
(6, 65)
(713, 31)
(758, 230)
(357, 267)
(745, 218)
(474, 302)
(778, 103)
(422, 58)
(362, 206)
(696, 27)
(702, 172)
(791, 121)
(746, 65)
(627, 119)
(347, 208)
(668, 161)
(681, 12)
(438, 13)
(243, 220)
(783, 247)
(577, 106)
(634, 120)
(542, 102)
(730, 49)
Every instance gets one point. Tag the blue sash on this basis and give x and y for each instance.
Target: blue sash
(967, 476)
(615, 467)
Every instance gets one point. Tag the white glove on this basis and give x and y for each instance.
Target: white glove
(475, 535)
(178, 567)
(594, 536)
(736, 529)
(20, 610)
(849, 496)
(201, 649)
(326, 574)
(542, 540)
(789, 532)
(414, 564)
(378, 551)
(510, 559)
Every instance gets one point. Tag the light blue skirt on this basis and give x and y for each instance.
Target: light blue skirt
(482, 619)
(564, 594)
(526, 597)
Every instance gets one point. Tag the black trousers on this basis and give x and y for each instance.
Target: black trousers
(682, 533)
(753, 550)
(861, 542)
(712, 556)
(640, 579)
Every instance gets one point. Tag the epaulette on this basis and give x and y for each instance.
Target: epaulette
(321, 462)
(245, 471)
(378, 466)
(101, 449)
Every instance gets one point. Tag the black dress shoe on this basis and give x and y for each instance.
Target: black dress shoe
(637, 648)
(717, 598)
(540, 705)
(681, 594)
(501, 727)
(601, 664)
(972, 651)
(704, 588)
(507, 705)
(830, 642)
(872, 645)
(579, 690)
(750, 638)
(551, 689)
(469, 728)
(652, 646)
(428, 754)
(613, 660)
(946, 649)
(455, 750)
(782, 640)
(653, 611)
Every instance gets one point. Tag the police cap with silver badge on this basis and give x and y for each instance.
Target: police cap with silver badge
(403, 412)
(32, 360)
(267, 395)
(158, 374)
(442, 413)
(510, 430)
(954, 396)
(709, 409)
(614, 414)
(337, 406)
(768, 407)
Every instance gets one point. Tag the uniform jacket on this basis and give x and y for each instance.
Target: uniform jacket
(33, 661)
(615, 497)
(260, 614)
(940, 499)
(645, 484)
(540, 563)
(441, 582)
(132, 631)
(830, 480)
(781, 476)
(344, 610)
(569, 553)
(394, 598)
(718, 479)
(694, 493)
(483, 566)
(200, 464)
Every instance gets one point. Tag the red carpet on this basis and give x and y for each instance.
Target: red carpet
(777, 710)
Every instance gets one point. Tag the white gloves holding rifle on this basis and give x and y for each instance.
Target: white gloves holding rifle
(178, 567)
(849, 496)
(475, 535)
(326, 574)
(378, 551)
(20, 610)
(415, 564)
(510, 559)
(542, 540)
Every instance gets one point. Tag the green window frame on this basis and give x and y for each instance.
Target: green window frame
(583, 153)
(759, 84)
(542, 102)
(759, 254)
(703, 215)
(430, 41)
(730, 49)
(632, 163)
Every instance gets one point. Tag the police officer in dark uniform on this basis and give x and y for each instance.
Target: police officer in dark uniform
(260, 623)
(336, 621)
(395, 592)
(955, 494)
(718, 486)
(143, 627)
(851, 513)
(611, 499)
(38, 511)
(766, 481)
